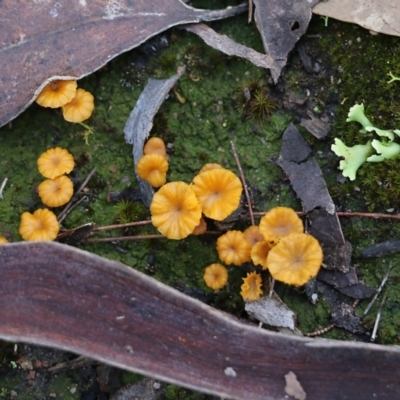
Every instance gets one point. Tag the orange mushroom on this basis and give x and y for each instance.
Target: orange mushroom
(175, 211)
(155, 145)
(251, 287)
(55, 162)
(253, 234)
(153, 169)
(80, 107)
(3, 240)
(215, 276)
(57, 93)
(259, 253)
(56, 192)
(279, 222)
(41, 225)
(218, 191)
(295, 259)
(233, 248)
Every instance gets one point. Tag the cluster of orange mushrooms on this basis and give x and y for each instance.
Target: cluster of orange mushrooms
(278, 244)
(55, 191)
(76, 104)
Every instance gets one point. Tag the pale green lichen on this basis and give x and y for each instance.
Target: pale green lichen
(356, 114)
(354, 157)
(386, 151)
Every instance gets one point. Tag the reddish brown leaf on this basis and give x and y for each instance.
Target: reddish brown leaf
(46, 40)
(60, 296)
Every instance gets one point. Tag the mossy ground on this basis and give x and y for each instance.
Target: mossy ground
(354, 69)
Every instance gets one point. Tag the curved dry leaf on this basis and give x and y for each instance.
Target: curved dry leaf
(56, 295)
(61, 39)
(140, 121)
(227, 46)
(376, 15)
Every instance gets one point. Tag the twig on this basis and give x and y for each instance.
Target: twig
(3, 185)
(246, 193)
(320, 331)
(121, 238)
(250, 15)
(67, 208)
(73, 205)
(116, 226)
(385, 278)
(78, 362)
(378, 318)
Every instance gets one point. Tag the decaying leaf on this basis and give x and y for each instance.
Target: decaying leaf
(271, 311)
(230, 47)
(293, 387)
(42, 41)
(281, 24)
(376, 15)
(56, 295)
(138, 126)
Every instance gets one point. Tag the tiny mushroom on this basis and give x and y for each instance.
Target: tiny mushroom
(155, 145)
(280, 222)
(56, 192)
(259, 253)
(41, 225)
(215, 276)
(57, 93)
(55, 162)
(233, 248)
(79, 108)
(153, 169)
(251, 287)
(3, 240)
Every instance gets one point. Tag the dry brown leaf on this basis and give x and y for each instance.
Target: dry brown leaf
(381, 16)
(42, 41)
(230, 47)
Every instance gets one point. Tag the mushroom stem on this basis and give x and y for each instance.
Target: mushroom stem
(3, 185)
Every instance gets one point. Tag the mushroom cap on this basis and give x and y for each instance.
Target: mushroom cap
(259, 253)
(80, 107)
(253, 234)
(200, 228)
(295, 259)
(41, 225)
(233, 248)
(175, 211)
(280, 222)
(215, 276)
(251, 287)
(209, 167)
(218, 191)
(153, 169)
(55, 162)
(56, 192)
(57, 94)
(155, 145)
(3, 240)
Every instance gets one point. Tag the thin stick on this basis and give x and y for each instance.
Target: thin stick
(3, 185)
(250, 15)
(385, 278)
(246, 193)
(320, 331)
(116, 226)
(122, 238)
(66, 209)
(378, 318)
(74, 205)
(271, 286)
